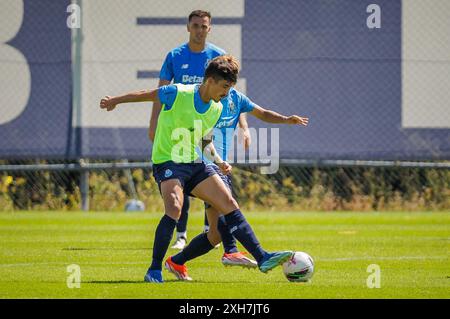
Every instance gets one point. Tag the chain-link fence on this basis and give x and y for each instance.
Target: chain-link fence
(372, 186)
(372, 76)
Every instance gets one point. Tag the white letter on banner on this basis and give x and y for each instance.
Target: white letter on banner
(15, 78)
(374, 19)
(74, 19)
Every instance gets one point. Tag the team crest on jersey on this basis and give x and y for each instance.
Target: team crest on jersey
(168, 173)
(232, 107)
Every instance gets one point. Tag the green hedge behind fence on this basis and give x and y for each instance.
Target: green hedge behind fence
(292, 188)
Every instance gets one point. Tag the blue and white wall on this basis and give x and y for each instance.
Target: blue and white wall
(373, 76)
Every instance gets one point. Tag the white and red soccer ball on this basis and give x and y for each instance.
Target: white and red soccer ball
(299, 268)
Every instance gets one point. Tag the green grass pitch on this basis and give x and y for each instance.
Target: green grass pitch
(113, 251)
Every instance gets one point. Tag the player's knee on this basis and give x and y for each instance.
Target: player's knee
(231, 203)
(173, 209)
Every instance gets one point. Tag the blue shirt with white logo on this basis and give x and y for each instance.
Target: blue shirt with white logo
(234, 104)
(184, 66)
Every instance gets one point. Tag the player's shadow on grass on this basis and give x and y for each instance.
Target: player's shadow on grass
(124, 281)
(104, 248)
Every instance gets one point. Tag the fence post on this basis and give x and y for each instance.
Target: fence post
(77, 39)
(84, 186)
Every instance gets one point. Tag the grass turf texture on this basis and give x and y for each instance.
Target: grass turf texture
(114, 251)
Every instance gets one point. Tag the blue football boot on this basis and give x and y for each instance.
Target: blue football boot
(271, 260)
(153, 276)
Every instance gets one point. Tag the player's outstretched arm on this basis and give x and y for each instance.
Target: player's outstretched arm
(110, 102)
(156, 109)
(277, 118)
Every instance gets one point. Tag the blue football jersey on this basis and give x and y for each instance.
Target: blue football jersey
(184, 66)
(234, 104)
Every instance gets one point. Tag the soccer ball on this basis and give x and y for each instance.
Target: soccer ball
(299, 268)
(134, 205)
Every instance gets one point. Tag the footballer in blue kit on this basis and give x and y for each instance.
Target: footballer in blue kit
(186, 64)
(204, 183)
(234, 104)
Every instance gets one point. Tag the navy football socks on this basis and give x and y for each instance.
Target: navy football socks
(182, 222)
(198, 246)
(241, 230)
(163, 236)
(206, 222)
(229, 243)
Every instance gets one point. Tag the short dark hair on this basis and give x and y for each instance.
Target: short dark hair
(200, 14)
(224, 67)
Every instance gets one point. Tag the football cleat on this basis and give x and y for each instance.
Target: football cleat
(180, 271)
(180, 243)
(238, 259)
(271, 260)
(153, 276)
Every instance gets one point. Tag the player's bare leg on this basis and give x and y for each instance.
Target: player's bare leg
(213, 232)
(213, 190)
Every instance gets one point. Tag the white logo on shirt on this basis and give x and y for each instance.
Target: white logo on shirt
(225, 123)
(191, 79)
(185, 66)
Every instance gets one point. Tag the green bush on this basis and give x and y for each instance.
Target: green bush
(291, 188)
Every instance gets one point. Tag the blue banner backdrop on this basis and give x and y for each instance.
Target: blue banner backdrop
(313, 58)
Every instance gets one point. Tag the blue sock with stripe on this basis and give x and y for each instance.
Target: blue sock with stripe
(229, 243)
(241, 230)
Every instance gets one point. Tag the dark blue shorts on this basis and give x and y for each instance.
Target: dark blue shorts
(189, 174)
(225, 178)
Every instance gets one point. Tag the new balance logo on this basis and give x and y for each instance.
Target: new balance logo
(185, 66)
